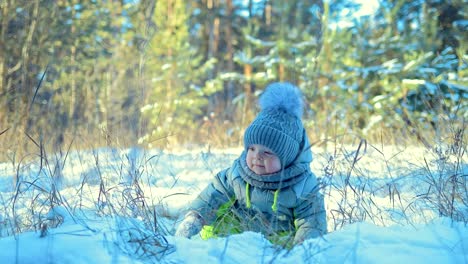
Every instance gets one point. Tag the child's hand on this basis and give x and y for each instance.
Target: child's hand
(190, 226)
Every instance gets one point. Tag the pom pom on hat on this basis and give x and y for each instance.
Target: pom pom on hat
(278, 126)
(284, 96)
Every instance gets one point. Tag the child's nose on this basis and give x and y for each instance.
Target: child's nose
(259, 155)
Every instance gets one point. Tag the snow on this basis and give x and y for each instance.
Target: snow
(122, 205)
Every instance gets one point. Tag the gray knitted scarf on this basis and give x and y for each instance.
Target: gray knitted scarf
(279, 180)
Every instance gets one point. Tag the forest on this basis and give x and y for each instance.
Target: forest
(116, 114)
(85, 74)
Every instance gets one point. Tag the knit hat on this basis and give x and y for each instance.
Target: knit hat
(278, 126)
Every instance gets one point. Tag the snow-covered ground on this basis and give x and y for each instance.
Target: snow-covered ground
(384, 205)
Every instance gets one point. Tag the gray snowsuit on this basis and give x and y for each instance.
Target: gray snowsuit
(286, 202)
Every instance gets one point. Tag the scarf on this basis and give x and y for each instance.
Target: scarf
(275, 181)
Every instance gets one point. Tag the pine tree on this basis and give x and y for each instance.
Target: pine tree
(174, 70)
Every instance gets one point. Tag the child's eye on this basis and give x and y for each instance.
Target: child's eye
(268, 153)
(251, 148)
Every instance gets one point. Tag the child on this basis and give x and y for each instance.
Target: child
(269, 188)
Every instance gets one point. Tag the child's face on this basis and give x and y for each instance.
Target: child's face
(262, 160)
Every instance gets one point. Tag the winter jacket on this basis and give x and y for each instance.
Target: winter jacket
(287, 201)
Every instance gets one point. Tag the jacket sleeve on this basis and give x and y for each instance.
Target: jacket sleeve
(310, 216)
(217, 193)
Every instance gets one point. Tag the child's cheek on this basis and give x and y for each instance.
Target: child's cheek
(269, 167)
(273, 166)
(249, 163)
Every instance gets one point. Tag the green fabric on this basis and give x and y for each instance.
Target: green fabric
(284, 239)
(248, 204)
(223, 226)
(227, 223)
(207, 232)
(274, 206)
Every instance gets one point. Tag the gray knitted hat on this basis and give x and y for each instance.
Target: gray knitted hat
(278, 126)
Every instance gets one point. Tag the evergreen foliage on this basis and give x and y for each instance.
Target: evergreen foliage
(149, 70)
(174, 71)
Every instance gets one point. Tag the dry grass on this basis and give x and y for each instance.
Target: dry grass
(36, 202)
(418, 193)
(436, 186)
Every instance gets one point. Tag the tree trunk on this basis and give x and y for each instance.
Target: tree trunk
(213, 36)
(3, 71)
(230, 63)
(26, 76)
(26, 62)
(268, 13)
(281, 71)
(21, 119)
(73, 93)
(247, 111)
